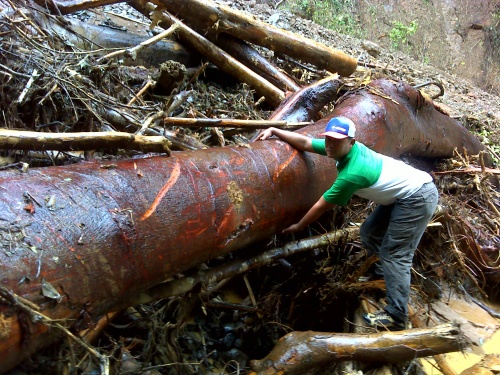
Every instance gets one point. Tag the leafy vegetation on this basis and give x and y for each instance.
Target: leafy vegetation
(338, 15)
(400, 33)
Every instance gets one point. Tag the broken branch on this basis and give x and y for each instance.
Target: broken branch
(37, 317)
(29, 140)
(214, 18)
(183, 285)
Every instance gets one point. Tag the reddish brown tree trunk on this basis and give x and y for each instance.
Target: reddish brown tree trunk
(99, 232)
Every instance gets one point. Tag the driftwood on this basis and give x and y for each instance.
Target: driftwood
(299, 352)
(100, 235)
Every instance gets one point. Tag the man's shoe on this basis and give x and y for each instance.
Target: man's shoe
(383, 319)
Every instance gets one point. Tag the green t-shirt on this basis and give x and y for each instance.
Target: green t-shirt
(359, 169)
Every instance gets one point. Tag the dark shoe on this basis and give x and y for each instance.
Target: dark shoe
(383, 319)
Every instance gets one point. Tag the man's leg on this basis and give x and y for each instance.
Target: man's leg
(372, 232)
(408, 222)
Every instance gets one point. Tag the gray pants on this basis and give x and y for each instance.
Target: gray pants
(393, 233)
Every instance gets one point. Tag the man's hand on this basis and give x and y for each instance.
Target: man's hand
(266, 134)
(296, 140)
(311, 216)
(292, 228)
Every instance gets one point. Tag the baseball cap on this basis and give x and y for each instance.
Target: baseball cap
(340, 127)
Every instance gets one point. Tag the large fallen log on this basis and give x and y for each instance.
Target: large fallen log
(384, 110)
(299, 352)
(100, 235)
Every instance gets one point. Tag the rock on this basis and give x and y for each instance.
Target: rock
(372, 48)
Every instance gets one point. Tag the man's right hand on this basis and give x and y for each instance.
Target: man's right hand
(266, 134)
(296, 140)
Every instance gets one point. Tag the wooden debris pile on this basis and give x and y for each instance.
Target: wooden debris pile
(226, 310)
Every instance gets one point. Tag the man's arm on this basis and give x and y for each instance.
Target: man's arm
(311, 216)
(296, 140)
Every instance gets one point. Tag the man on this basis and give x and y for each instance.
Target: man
(406, 199)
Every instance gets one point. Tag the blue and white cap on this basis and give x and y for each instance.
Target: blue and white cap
(340, 127)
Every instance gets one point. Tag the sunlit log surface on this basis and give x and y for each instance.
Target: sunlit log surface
(299, 352)
(99, 232)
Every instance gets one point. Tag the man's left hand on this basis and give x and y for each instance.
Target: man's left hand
(292, 228)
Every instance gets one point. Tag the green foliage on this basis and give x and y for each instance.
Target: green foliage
(485, 135)
(399, 33)
(338, 15)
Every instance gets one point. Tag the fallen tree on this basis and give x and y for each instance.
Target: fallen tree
(212, 18)
(99, 234)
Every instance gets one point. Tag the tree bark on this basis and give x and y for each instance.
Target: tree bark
(306, 103)
(229, 123)
(177, 287)
(249, 56)
(71, 6)
(89, 37)
(395, 119)
(299, 352)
